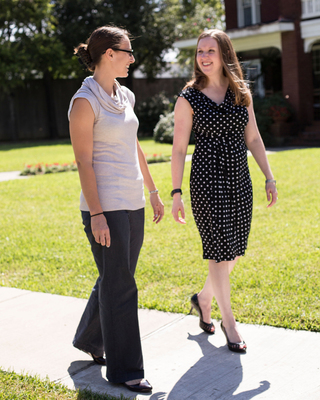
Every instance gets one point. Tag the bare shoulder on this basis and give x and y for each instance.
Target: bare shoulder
(81, 113)
(251, 100)
(81, 105)
(182, 106)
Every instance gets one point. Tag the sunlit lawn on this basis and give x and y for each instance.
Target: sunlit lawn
(26, 387)
(43, 246)
(13, 157)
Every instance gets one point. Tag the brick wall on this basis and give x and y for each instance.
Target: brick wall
(269, 10)
(290, 9)
(231, 14)
(297, 75)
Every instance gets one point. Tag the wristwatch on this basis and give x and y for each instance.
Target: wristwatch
(176, 191)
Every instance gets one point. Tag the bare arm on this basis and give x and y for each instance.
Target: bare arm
(81, 133)
(255, 145)
(183, 116)
(156, 203)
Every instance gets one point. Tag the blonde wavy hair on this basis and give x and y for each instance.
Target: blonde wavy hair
(231, 68)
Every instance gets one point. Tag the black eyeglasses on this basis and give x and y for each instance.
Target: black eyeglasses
(126, 51)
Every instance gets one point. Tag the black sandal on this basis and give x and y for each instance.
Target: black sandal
(236, 347)
(208, 328)
(99, 360)
(142, 387)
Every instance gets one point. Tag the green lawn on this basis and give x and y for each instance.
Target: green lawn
(43, 248)
(26, 387)
(276, 283)
(15, 156)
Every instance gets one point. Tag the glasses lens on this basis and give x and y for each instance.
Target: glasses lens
(124, 50)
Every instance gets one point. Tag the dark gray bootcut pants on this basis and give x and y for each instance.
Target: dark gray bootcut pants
(110, 321)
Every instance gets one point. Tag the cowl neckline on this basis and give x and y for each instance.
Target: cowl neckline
(116, 104)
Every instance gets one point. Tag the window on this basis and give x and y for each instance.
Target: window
(316, 80)
(252, 73)
(316, 64)
(249, 12)
(310, 8)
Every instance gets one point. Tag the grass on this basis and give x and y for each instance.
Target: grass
(276, 283)
(25, 387)
(15, 156)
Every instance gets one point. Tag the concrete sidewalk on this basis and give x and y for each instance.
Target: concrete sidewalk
(181, 362)
(8, 176)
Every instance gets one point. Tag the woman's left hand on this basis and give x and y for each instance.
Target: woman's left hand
(158, 207)
(272, 194)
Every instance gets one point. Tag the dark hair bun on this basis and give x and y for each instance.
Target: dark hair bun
(84, 56)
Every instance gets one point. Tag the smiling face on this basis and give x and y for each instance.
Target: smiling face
(208, 56)
(122, 58)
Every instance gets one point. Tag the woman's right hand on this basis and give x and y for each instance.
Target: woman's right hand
(178, 207)
(100, 230)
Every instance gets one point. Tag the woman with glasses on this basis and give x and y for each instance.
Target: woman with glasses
(112, 169)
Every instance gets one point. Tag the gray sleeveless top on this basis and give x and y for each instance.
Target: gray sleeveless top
(115, 156)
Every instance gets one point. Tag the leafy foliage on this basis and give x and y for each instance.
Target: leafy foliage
(145, 19)
(193, 17)
(37, 37)
(28, 45)
(263, 112)
(163, 131)
(149, 111)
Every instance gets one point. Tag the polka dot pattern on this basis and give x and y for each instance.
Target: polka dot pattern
(220, 183)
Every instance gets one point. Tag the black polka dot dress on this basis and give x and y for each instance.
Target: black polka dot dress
(220, 183)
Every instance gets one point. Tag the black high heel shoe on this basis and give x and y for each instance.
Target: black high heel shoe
(236, 347)
(208, 328)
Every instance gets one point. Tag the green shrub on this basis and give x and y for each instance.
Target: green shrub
(149, 111)
(263, 108)
(264, 121)
(163, 131)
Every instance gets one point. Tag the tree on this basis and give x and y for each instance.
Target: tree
(193, 17)
(37, 37)
(29, 49)
(145, 19)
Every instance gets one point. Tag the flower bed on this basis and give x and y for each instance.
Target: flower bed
(41, 168)
(156, 158)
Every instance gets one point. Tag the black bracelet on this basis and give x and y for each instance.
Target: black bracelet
(176, 191)
(94, 215)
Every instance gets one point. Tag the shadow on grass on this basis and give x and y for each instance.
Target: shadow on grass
(6, 146)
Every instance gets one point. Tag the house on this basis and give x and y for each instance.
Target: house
(279, 42)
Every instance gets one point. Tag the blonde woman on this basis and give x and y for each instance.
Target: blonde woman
(112, 169)
(217, 105)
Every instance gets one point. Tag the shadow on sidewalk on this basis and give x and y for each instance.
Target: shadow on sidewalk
(216, 375)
